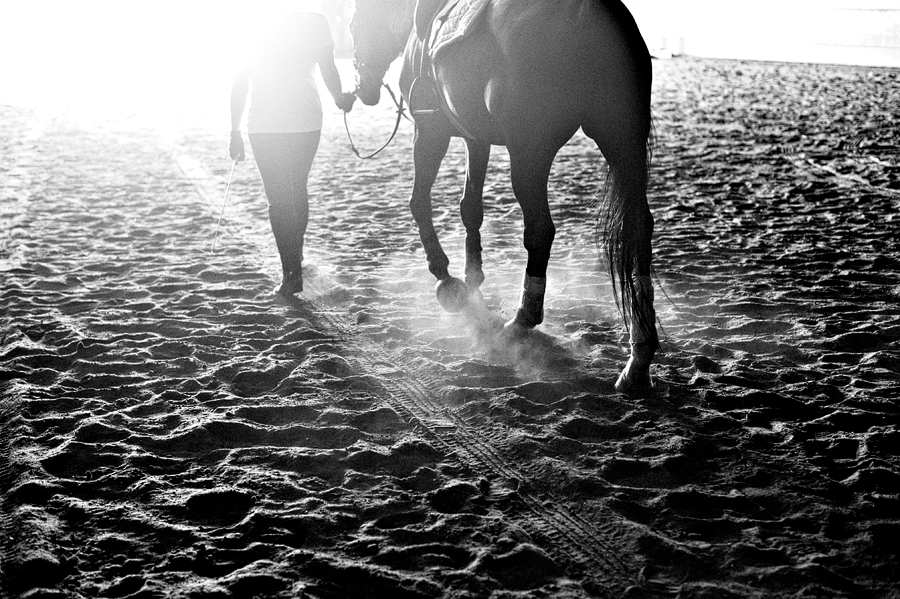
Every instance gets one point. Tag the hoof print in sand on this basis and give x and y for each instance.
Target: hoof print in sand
(454, 497)
(220, 505)
(524, 567)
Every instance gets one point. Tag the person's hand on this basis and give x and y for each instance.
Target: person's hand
(236, 147)
(345, 101)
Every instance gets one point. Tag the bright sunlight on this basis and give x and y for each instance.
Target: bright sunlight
(93, 58)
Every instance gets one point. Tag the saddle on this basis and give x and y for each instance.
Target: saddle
(440, 24)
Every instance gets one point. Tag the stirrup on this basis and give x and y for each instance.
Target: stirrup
(423, 98)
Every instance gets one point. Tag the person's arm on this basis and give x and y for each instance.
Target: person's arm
(239, 90)
(332, 79)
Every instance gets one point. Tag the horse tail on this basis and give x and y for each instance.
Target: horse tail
(626, 229)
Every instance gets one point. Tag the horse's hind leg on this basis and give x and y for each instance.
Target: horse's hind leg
(472, 209)
(640, 314)
(628, 228)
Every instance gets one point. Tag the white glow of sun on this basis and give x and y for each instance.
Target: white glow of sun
(121, 57)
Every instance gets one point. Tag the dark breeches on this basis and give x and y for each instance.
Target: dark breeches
(284, 161)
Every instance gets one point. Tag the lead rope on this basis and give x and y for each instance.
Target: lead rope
(401, 110)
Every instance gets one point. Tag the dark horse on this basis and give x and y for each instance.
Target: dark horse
(525, 74)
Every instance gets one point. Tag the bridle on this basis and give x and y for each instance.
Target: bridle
(401, 112)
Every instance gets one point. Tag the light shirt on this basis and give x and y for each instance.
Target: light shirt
(284, 96)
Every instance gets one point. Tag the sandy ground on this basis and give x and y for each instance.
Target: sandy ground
(172, 428)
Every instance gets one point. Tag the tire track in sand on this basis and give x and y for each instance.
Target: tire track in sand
(598, 550)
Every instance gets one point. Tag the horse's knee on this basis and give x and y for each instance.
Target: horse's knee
(539, 235)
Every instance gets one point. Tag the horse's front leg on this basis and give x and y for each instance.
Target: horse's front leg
(472, 209)
(429, 148)
(530, 172)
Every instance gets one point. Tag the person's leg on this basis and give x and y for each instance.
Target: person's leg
(275, 155)
(303, 148)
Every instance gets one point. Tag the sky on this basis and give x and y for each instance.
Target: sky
(126, 57)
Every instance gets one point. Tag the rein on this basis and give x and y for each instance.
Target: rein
(401, 110)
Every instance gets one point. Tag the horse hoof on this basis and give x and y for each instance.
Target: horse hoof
(634, 382)
(452, 294)
(516, 329)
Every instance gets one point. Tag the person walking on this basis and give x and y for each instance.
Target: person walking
(284, 123)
